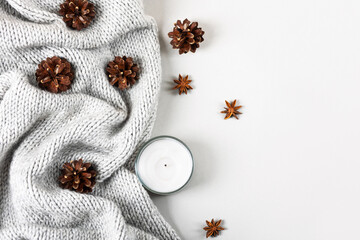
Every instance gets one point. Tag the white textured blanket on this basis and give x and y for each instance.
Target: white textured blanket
(40, 131)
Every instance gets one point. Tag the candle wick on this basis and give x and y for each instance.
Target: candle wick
(165, 165)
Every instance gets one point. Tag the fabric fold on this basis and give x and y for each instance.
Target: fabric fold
(95, 121)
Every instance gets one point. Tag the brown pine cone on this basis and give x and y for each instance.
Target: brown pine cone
(54, 74)
(186, 36)
(78, 176)
(123, 72)
(77, 14)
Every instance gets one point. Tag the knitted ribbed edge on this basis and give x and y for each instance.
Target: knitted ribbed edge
(39, 131)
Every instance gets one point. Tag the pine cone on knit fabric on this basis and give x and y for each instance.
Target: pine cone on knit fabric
(78, 176)
(54, 74)
(123, 72)
(77, 14)
(186, 36)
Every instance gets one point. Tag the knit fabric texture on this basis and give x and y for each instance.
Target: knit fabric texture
(40, 131)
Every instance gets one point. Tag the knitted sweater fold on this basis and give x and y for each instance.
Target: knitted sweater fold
(95, 121)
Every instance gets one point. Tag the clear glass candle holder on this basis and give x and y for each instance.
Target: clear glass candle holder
(164, 165)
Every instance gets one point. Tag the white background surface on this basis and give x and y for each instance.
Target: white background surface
(289, 169)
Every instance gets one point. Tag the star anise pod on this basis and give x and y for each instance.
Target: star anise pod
(78, 176)
(213, 228)
(123, 72)
(231, 110)
(77, 14)
(186, 36)
(183, 84)
(54, 74)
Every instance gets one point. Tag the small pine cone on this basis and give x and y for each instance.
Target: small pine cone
(54, 74)
(186, 36)
(78, 176)
(123, 72)
(77, 14)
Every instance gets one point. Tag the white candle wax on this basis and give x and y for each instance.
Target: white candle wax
(164, 165)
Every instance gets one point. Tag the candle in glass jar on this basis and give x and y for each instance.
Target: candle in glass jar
(164, 165)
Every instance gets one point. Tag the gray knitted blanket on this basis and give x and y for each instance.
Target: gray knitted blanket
(40, 131)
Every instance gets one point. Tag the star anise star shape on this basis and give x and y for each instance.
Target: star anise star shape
(183, 84)
(231, 110)
(213, 228)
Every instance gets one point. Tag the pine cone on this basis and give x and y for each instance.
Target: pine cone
(186, 36)
(123, 73)
(77, 14)
(78, 176)
(54, 74)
